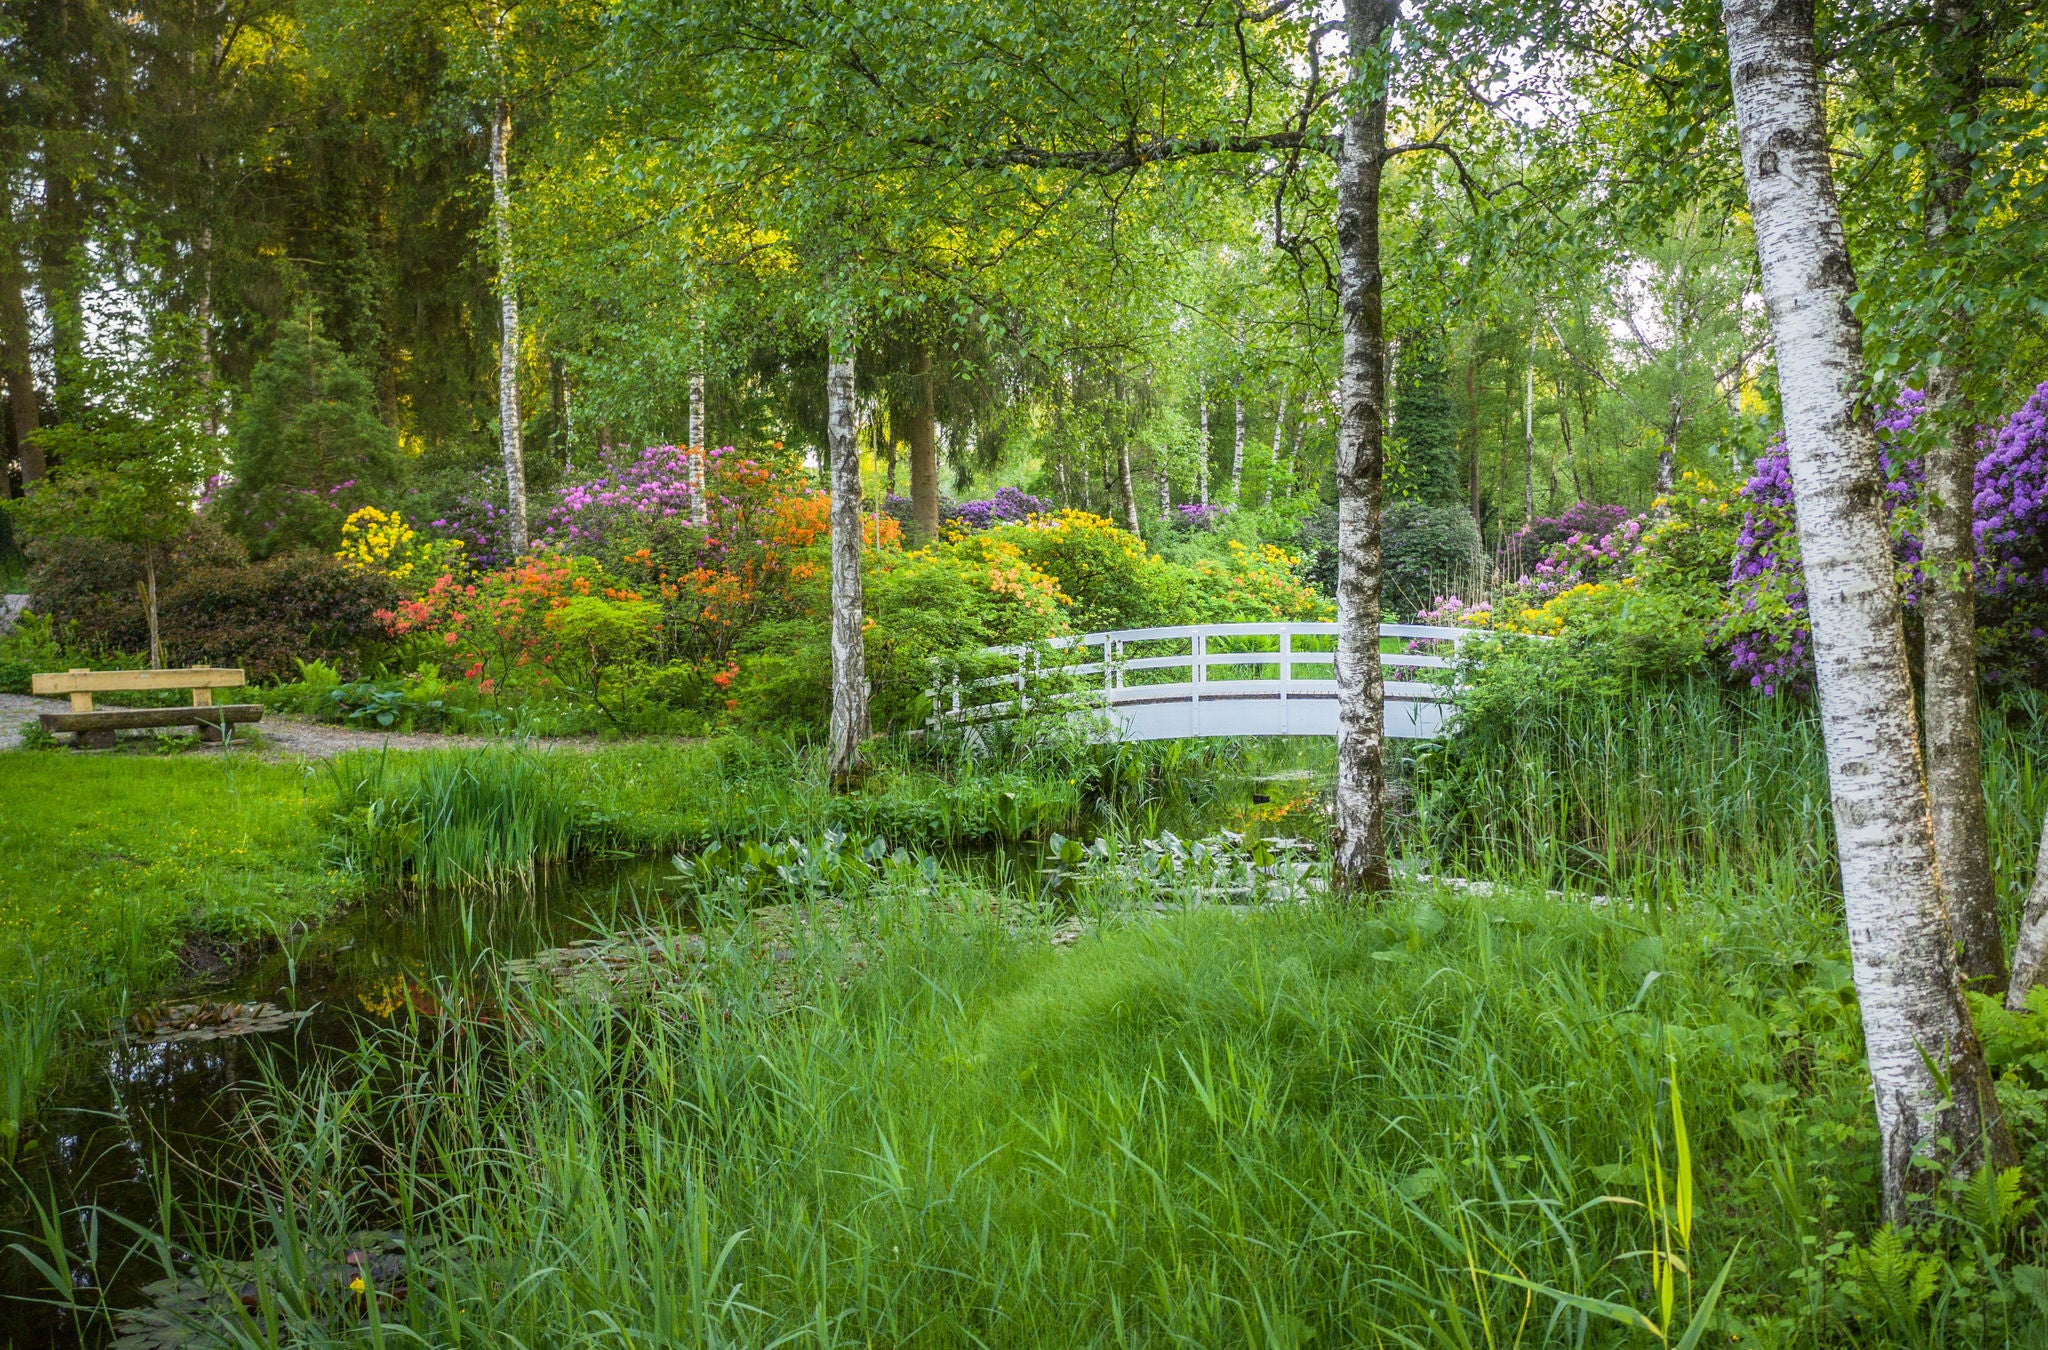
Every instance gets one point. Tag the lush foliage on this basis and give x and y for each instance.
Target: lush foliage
(387, 544)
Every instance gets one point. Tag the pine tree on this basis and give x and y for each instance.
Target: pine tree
(309, 447)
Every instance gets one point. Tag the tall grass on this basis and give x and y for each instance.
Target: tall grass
(1692, 789)
(31, 1020)
(452, 818)
(1444, 1125)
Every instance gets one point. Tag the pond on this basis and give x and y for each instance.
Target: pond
(158, 1106)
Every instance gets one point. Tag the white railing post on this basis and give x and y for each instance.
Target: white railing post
(1286, 660)
(1198, 659)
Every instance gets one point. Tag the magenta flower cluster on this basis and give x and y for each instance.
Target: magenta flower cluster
(1202, 515)
(1581, 556)
(632, 488)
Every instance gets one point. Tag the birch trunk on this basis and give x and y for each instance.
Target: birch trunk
(924, 448)
(1948, 605)
(1130, 494)
(1237, 456)
(1529, 447)
(508, 335)
(1932, 1088)
(700, 505)
(2031, 951)
(1165, 485)
(1273, 464)
(1360, 863)
(849, 654)
(1202, 464)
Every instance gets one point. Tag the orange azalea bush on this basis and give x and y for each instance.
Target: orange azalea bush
(512, 628)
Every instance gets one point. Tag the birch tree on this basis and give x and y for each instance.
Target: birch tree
(509, 449)
(2030, 953)
(1933, 1091)
(1359, 834)
(849, 729)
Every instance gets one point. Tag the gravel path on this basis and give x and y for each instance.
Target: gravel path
(279, 735)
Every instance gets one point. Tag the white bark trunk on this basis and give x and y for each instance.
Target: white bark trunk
(1360, 864)
(149, 607)
(508, 332)
(1165, 487)
(1273, 464)
(1948, 604)
(1926, 1066)
(1202, 464)
(1237, 456)
(1529, 447)
(700, 506)
(849, 653)
(2031, 951)
(1130, 490)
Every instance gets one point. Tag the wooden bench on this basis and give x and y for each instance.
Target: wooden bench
(94, 729)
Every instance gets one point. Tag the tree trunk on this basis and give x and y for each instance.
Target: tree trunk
(1932, 1088)
(1948, 605)
(1273, 464)
(1667, 457)
(16, 345)
(1202, 464)
(700, 504)
(849, 654)
(58, 282)
(1529, 446)
(924, 448)
(1360, 844)
(2029, 952)
(1472, 434)
(1237, 455)
(1130, 494)
(149, 608)
(508, 335)
(1165, 487)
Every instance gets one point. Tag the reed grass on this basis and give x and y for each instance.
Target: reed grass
(1453, 1123)
(455, 818)
(32, 1014)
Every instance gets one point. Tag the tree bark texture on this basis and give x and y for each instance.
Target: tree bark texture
(849, 653)
(700, 504)
(924, 448)
(1130, 494)
(2031, 951)
(1165, 488)
(16, 345)
(1202, 463)
(150, 610)
(1360, 842)
(1926, 1067)
(1529, 446)
(1273, 464)
(1948, 601)
(508, 330)
(1237, 456)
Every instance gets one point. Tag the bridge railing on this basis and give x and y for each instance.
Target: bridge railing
(1215, 662)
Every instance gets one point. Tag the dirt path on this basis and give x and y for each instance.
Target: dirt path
(279, 735)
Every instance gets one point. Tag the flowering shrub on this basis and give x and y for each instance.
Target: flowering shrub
(629, 492)
(1581, 557)
(1007, 506)
(2011, 508)
(1584, 519)
(1113, 580)
(382, 542)
(1201, 515)
(1250, 585)
(512, 628)
(481, 526)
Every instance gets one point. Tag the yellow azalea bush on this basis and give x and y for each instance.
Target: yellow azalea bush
(1113, 580)
(1251, 584)
(384, 543)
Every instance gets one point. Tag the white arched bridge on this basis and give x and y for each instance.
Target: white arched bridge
(1211, 679)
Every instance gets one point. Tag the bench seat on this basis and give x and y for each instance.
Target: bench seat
(93, 729)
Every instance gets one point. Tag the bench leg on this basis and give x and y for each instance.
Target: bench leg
(92, 740)
(210, 733)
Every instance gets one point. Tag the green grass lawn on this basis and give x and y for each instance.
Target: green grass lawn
(107, 860)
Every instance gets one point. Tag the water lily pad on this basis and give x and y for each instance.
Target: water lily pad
(206, 1021)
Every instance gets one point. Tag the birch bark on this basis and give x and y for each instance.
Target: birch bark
(1273, 464)
(849, 655)
(1130, 493)
(508, 333)
(2031, 951)
(1202, 464)
(700, 508)
(1237, 456)
(1948, 603)
(1926, 1067)
(1360, 863)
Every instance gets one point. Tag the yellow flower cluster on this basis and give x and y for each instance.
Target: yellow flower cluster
(1556, 613)
(382, 542)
